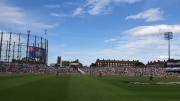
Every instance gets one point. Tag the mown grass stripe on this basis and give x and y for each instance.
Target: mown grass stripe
(15, 81)
(47, 89)
(85, 88)
(94, 89)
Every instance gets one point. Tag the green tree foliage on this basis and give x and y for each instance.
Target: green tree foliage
(165, 65)
(139, 63)
(93, 65)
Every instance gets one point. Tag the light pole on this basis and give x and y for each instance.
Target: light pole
(168, 36)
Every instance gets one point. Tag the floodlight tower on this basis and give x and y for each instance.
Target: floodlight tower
(168, 36)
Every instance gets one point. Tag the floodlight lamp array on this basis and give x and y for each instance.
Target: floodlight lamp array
(168, 35)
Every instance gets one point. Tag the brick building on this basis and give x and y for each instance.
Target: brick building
(76, 64)
(65, 63)
(156, 64)
(115, 63)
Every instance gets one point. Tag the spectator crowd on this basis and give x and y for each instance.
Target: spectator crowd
(130, 71)
(6, 68)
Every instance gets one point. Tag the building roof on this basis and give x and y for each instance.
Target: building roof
(116, 61)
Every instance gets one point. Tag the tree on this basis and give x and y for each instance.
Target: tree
(165, 65)
(93, 65)
(139, 63)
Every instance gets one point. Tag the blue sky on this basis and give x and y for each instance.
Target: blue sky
(92, 29)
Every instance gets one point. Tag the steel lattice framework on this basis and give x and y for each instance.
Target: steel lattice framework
(15, 46)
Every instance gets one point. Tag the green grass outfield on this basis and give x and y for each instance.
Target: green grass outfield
(85, 88)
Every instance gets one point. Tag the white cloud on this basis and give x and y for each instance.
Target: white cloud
(17, 18)
(97, 6)
(11, 14)
(52, 6)
(153, 30)
(73, 3)
(110, 40)
(40, 25)
(59, 15)
(127, 1)
(94, 7)
(78, 11)
(163, 57)
(63, 45)
(153, 14)
(103, 6)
